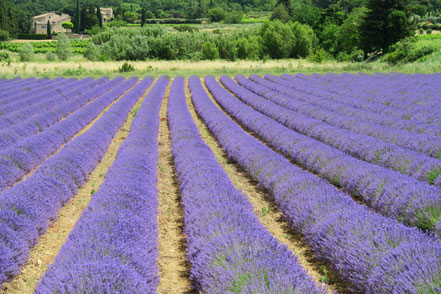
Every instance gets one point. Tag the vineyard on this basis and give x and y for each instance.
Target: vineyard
(259, 184)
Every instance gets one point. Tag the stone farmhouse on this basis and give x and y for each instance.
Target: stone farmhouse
(39, 23)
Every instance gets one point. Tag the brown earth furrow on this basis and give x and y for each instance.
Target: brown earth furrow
(44, 253)
(172, 261)
(265, 207)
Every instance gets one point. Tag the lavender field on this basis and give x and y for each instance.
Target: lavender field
(261, 184)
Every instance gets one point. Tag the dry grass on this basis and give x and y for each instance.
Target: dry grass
(79, 67)
(51, 242)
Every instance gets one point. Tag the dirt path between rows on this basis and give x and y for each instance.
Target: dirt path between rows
(173, 264)
(44, 253)
(266, 209)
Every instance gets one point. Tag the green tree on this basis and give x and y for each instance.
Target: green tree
(281, 13)
(329, 37)
(335, 14)
(278, 39)
(67, 25)
(88, 18)
(8, 22)
(398, 27)
(77, 18)
(418, 9)
(350, 30)
(216, 14)
(4, 35)
(143, 17)
(99, 16)
(386, 22)
(64, 50)
(287, 4)
(305, 40)
(306, 13)
(49, 30)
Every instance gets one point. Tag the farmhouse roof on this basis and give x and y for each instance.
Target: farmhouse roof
(52, 15)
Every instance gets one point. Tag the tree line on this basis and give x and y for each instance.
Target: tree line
(347, 29)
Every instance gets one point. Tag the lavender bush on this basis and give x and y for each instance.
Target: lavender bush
(345, 103)
(27, 209)
(229, 249)
(27, 108)
(40, 122)
(366, 249)
(113, 248)
(364, 147)
(386, 191)
(430, 145)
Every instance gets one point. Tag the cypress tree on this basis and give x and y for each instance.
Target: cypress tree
(143, 17)
(83, 17)
(49, 30)
(99, 16)
(77, 19)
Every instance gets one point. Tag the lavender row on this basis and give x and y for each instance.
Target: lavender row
(33, 91)
(226, 242)
(5, 83)
(386, 191)
(113, 248)
(429, 145)
(39, 123)
(417, 92)
(366, 249)
(349, 93)
(350, 107)
(25, 108)
(21, 87)
(363, 147)
(21, 158)
(404, 90)
(28, 208)
(381, 99)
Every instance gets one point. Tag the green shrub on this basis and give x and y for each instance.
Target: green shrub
(126, 67)
(4, 36)
(96, 29)
(64, 51)
(50, 56)
(4, 56)
(320, 55)
(281, 13)
(287, 40)
(92, 52)
(26, 52)
(216, 14)
(278, 39)
(249, 48)
(186, 28)
(234, 17)
(405, 51)
(67, 25)
(210, 51)
(429, 31)
(32, 36)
